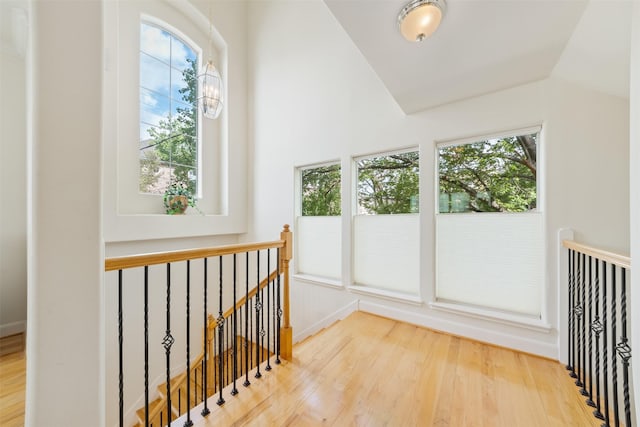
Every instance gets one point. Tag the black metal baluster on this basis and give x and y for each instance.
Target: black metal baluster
(614, 361)
(195, 387)
(215, 363)
(227, 356)
(188, 422)
(570, 349)
(258, 310)
(268, 367)
(146, 345)
(246, 324)
(220, 342)
(597, 328)
(624, 350)
(605, 345)
(572, 319)
(578, 320)
(273, 313)
(251, 336)
(167, 342)
(180, 401)
(234, 391)
(590, 304)
(242, 345)
(120, 353)
(584, 329)
(205, 410)
(279, 307)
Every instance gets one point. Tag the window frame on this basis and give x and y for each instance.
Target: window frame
(225, 211)
(540, 324)
(331, 282)
(175, 33)
(495, 135)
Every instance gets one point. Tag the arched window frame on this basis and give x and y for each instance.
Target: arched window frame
(127, 214)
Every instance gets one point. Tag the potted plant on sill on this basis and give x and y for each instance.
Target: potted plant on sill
(177, 198)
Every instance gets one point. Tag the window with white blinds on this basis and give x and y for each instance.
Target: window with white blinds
(318, 222)
(489, 228)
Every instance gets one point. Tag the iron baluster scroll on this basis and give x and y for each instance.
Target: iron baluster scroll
(597, 287)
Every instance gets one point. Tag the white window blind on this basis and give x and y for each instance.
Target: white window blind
(493, 260)
(386, 252)
(319, 246)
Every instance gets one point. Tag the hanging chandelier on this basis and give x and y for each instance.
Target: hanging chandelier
(210, 82)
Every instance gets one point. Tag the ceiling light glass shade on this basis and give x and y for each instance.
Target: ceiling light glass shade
(211, 98)
(420, 18)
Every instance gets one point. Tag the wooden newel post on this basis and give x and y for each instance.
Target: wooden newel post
(286, 332)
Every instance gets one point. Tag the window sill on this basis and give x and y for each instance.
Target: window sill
(319, 280)
(522, 321)
(383, 293)
(122, 228)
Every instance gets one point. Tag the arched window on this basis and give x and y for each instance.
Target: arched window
(169, 137)
(154, 131)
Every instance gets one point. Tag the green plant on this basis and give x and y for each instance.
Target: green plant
(177, 198)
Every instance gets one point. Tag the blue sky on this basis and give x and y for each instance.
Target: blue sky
(162, 60)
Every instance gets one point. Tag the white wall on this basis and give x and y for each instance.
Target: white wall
(314, 98)
(634, 161)
(13, 189)
(64, 350)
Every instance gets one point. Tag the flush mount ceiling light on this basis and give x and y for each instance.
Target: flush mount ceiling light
(420, 18)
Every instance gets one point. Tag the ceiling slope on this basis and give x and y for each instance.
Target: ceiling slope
(481, 46)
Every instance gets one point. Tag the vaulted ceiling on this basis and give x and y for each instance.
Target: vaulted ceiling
(487, 45)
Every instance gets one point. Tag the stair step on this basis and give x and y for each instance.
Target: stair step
(152, 406)
(175, 381)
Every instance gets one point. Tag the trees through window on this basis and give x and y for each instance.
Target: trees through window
(493, 175)
(389, 184)
(168, 144)
(321, 191)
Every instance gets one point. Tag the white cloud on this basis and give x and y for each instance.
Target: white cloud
(155, 42)
(149, 99)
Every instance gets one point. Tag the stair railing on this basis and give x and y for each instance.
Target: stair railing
(254, 329)
(598, 350)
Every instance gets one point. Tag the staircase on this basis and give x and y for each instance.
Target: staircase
(254, 327)
(158, 407)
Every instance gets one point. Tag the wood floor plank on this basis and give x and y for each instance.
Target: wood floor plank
(371, 371)
(12, 381)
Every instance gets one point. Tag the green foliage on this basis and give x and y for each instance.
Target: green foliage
(149, 169)
(175, 139)
(389, 184)
(321, 191)
(489, 176)
(177, 198)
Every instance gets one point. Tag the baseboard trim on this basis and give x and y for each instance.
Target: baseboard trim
(13, 328)
(519, 343)
(327, 321)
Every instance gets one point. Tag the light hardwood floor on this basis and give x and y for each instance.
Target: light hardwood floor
(12, 381)
(371, 371)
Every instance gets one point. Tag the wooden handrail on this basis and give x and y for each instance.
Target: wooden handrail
(121, 263)
(610, 257)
